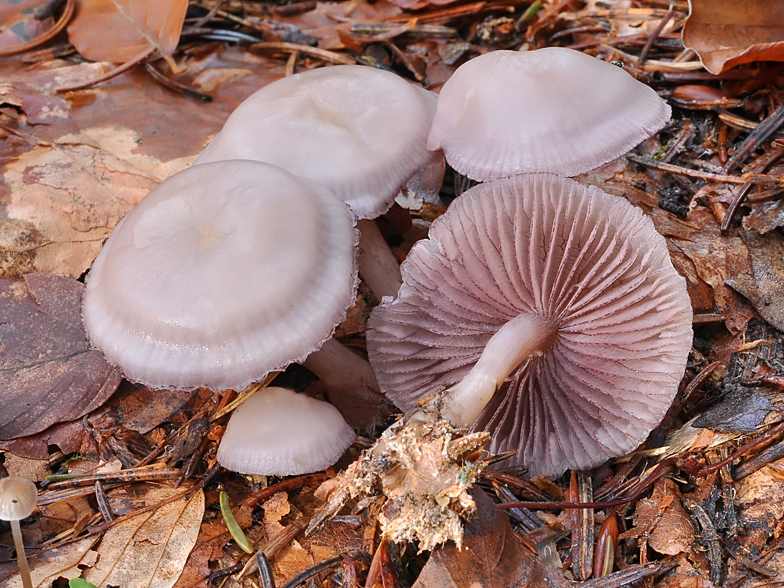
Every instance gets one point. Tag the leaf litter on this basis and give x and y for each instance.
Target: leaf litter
(75, 162)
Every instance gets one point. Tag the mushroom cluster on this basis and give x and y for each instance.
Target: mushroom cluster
(235, 267)
(245, 262)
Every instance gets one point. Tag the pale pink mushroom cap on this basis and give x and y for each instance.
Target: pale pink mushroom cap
(586, 267)
(277, 432)
(223, 273)
(18, 497)
(552, 110)
(359, 131)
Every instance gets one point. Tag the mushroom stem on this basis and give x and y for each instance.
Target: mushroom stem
(350, 382)
(21, 558)
(378, 266)
(523, 336)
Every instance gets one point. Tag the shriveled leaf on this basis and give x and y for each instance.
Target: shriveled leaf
(67, 436)
(727, 33)
(48, 374)
(763, 288)
(491, 557)
(663, 520)
(78, 194)
(149, 549)
(740, 410)
(49, 565)
(120, 30)
(765, 217)
(760, 500)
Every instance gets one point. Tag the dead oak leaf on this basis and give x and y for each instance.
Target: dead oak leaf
(491, 557)
(48, 373)
(726, 33)
(121, 30)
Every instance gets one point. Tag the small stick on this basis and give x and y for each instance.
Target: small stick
(328, 56)
(765, 129)
(766, 180)
(158, 76)
(655, 35)
(265, 571)
(103, 503)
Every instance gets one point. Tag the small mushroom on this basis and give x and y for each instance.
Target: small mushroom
(223, 273)
(552, 110)
(561, 296)
(277, 432)
(18, 497)
(359, 131)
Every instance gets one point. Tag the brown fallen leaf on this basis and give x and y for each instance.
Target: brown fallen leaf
(149, 549)
(48, 374)
(763, 286)
(120, 30)
(491, 557)
(663, 520)
(760, 500)
(727, 33)
(765, 217)
(49, 565)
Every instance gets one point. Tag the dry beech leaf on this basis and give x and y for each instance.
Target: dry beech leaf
(60, 203)
(51, 564)
(149, 549)
(491, 557)
(48, 374)
(121, 30)
(726, 33)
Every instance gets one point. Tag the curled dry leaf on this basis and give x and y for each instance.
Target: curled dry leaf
(491, 557)
(120, 30)
(763, 288)
(48, 374)
(727, 33)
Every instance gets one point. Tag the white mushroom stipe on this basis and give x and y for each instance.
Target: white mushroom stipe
(523, 336)
(552, 110)
(359, 131)
(223, 273)
(277, 432)
(378, 266)
(18, 497)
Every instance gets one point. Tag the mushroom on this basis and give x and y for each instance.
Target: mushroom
(552, 110)
(359, 131)
(223, 273)
(18, 497)
(277, 432)
(562, 296)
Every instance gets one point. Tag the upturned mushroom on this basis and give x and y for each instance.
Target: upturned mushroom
(224, 272)
(552, 314)
(277, 432)
(18, 498)
(359, 131)
(551, 110)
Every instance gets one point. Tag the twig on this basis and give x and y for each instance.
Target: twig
(265, 571)
(328, 56)
(765, 180)
(624, 578)
(175, 85)
(655, 35)
(111, 73)
(765, 129)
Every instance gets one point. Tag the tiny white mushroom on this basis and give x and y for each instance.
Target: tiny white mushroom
(277, 432)
(18, 497)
